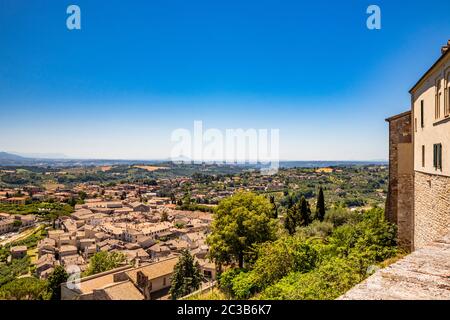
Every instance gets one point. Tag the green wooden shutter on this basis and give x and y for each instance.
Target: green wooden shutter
(434, 155)
(421, 114)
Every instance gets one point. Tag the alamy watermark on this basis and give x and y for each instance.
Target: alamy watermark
(229, 146)
(374, 20)
(73, 21)
(74, 280)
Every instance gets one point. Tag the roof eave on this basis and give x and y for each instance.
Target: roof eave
(442, 57)
(397, 116)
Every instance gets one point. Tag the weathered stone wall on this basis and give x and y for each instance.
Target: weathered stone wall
(422, 275)
(432, 208)
(399, 204)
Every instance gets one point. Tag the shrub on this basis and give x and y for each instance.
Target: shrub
(316, 229)
(339, 216)
(328, 281)
(225, 280)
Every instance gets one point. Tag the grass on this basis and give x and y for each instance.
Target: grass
(386, 263)
(32, 253)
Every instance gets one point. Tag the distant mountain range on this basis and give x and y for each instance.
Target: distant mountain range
(58, 160)
(41, 155)
(10, 156)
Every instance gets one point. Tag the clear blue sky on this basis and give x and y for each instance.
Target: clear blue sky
(139, 69)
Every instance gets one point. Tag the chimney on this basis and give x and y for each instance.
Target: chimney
(445, 48)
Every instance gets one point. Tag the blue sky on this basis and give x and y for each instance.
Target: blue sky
(137, 70)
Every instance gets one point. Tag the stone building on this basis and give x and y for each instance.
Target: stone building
(399, 206)
(419, 156)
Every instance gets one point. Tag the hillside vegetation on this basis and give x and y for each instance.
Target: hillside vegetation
(320, 260)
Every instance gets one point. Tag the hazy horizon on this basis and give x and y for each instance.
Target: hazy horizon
(67, 157)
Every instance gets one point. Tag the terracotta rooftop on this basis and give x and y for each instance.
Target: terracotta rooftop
(123, 291)
(100, 280)
(154, 270)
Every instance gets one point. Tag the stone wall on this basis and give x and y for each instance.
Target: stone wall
(399, 204)
(432, 208)
(422, 275)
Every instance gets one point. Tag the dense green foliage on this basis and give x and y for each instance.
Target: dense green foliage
(17, 267)
(186, 276)
(16, 284)
(103, 261)
(11, 271)
(275, 260)
(26, 288)
(240, 222)
(48, 210)
(320, 261)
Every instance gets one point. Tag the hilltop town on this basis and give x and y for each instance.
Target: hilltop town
(149, 220)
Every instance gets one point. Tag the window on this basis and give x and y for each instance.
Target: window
(421, 114)
(437, 99)
(423, 156)
(447, 108)
(437, 156)
(447, 96)
(448, 101)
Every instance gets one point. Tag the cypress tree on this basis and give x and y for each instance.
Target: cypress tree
(274, 207)
(186, 276)
(289, 223)
(305, 212)
(56, 278)
(293, 218)
(320, 208)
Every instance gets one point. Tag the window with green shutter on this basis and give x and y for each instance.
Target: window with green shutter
(437, 156)
(423, 156)
(421, 114)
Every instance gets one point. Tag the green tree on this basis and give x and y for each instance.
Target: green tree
(28, 288)
(275, 260)
(299, 215)
(274, 207)
(72, 201)
(56, 278)
(164, 216)
(292, 219)
(320, 208)
(186, 276)
(103, 261)
(82, 195)
(240, 222)
(305, 212)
